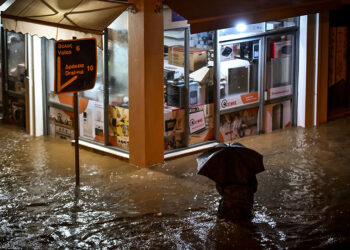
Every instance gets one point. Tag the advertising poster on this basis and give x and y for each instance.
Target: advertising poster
(61, 124)
(174, 128)
(201, 123)
(118, 119)
(238, 124)
(278, 116)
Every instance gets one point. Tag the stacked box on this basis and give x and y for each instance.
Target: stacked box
(198, 57)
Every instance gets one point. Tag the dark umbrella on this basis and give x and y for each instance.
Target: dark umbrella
(228, 164)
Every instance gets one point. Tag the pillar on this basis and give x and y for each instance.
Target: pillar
(323, 55)
(146, 118)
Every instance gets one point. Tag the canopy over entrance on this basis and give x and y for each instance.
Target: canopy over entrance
(205, 15)
(62, 19)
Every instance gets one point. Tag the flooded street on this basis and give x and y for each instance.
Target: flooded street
(303, 197)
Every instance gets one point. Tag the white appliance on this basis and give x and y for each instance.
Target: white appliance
(87, 123)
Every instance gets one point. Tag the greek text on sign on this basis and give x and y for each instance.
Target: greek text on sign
(75, 65)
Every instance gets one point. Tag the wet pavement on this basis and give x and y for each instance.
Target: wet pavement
(303, 197)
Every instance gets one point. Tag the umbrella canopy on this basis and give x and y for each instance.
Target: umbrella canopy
(62, 19)
(230, 164)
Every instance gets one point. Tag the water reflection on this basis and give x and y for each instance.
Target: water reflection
(302, 199)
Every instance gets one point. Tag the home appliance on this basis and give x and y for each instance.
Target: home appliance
(87, 123)
(18, 113)
(238, 80)
(281, 69)
(194, 93)
(98, 123)
(176, 94)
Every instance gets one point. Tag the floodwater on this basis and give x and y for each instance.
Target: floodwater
(303, 197)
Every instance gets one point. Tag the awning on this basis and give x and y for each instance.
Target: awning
(62, 19)
(205, 15)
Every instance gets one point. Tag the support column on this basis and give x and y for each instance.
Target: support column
(322, 90)
(146, 91)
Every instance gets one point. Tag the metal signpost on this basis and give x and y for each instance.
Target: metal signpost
(75, 71)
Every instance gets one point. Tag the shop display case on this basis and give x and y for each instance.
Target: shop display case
(175, 89)
(218, 86)
(201, 90)
(239, 73)
(257, 73)
(188, 88)
(279, 66)
(103, 110)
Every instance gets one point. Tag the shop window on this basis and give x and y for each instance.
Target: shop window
(16, 61)
(175, 93)
(238, 124)
(65, 99)
(91, 114)
(118, 82)
(239, 73)
(91, 111)
(111, 84)
(279, 66)
(201, 87)
(15, 45)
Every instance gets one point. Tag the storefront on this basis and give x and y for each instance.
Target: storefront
(161, 92)
(28, 63)
(104, 110)
(223, 85)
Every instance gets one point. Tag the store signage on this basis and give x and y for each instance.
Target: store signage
(238, 100)
(197, 121)
(75, 65)
(279, 91)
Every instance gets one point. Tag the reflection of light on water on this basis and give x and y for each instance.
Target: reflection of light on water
(260, 217)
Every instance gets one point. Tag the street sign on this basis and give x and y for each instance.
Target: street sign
(75, 65)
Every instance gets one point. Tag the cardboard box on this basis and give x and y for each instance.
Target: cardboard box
(278, 116)
(198, 57)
